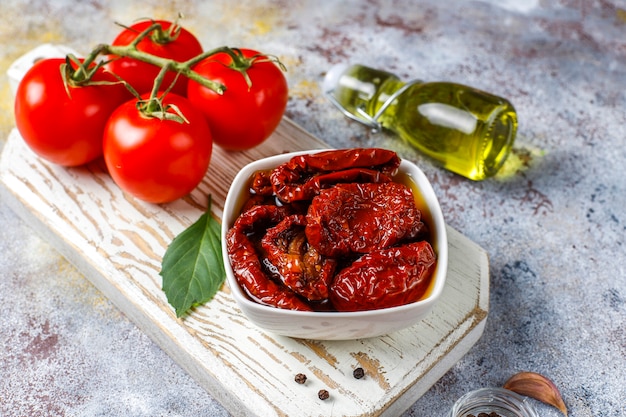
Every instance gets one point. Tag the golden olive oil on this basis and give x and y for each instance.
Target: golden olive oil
(467, 131)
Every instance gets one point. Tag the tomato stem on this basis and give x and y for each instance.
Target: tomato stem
(154, 107)
(154, 27)
(182, 68)
(82, 74)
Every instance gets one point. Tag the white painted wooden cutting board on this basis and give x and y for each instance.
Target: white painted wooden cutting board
(117, 242)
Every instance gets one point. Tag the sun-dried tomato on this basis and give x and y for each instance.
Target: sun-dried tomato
(247, 264)
(359, 218)
(303, 176)
(384, 278)
(298, 264)
(261, 184)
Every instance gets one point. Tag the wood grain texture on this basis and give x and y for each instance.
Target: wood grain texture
(117, 242)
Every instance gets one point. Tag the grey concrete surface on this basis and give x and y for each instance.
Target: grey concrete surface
(553, 221)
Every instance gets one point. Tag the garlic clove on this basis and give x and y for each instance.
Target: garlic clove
(536, 386)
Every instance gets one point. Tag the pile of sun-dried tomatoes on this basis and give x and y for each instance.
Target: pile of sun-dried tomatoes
(332, 231)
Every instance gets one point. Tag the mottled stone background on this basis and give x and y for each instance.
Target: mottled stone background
(553, 222)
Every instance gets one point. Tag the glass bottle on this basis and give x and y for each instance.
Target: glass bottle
(493, 401)
(467, 131)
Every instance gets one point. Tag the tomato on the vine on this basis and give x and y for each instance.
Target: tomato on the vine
(60, 122)
(250, 109)
(172, 42)
(157, 159)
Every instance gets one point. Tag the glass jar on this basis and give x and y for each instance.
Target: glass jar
(502, 402)
(467, 131)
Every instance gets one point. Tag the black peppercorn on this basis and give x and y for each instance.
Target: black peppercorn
(323, 394)
(358, 373)
(300, 378)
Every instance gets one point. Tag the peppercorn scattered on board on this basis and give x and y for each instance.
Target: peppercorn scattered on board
(118, 242)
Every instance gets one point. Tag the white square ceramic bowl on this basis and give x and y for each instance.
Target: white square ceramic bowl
(336, 325)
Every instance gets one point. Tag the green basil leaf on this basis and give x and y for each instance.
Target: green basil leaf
(192, 267)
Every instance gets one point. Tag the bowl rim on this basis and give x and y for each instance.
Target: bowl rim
(490, 396)
(422, 183)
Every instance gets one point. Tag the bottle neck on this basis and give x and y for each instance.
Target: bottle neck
(361, 91)
(381, 107)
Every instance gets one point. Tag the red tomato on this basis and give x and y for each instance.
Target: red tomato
(140, 74)
(243, 116)
(64, 127)
(157, 160)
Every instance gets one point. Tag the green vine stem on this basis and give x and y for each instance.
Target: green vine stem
(85, 69)
(182, 68)
(154, 106)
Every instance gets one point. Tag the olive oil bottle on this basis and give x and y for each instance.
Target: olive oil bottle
(467, 131)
